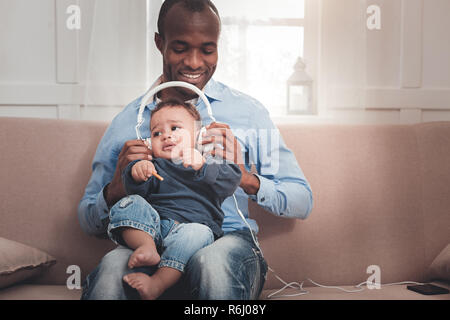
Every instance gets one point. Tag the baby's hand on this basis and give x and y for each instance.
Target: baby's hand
(193, 158)
(142, 170)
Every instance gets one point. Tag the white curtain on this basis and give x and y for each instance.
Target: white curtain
(118, 59)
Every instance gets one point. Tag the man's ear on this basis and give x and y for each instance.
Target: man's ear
(159, 41)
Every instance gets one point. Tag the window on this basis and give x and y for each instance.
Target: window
(259, 46)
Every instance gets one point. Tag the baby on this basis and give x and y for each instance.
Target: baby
(166, 220)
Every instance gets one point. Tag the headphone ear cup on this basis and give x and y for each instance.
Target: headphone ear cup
(149, 142)
(203, 148)
(198, 144)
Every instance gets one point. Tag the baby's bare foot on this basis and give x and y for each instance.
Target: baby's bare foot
(145, 255)
(148, 288)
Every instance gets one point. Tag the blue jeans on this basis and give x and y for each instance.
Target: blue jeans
(176, 242)
(231, 268)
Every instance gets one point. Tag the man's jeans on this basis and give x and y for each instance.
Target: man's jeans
(176, 242)
(230, 268)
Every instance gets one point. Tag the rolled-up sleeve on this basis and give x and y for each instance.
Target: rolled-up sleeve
(283, 190)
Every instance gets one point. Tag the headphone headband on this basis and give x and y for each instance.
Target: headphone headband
(152, 92)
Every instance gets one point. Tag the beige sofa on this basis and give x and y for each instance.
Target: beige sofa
(381, 197)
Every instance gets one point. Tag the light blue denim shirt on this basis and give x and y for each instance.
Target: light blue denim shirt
(284, 190)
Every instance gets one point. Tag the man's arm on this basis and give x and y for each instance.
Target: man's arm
(220, 133)
(283, 188)
(133, 150)
(279, 185)
(249, 182)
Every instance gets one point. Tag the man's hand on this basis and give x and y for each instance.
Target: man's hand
(132, 150)
(142, 170)
(220, 133)
(193, 158)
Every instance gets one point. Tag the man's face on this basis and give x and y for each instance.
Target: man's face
(173, 129)
(189, 47)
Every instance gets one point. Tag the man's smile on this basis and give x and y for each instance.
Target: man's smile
(192, 77)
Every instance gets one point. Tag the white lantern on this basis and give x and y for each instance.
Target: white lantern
(299, 90)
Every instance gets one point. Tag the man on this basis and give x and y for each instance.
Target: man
(233, 266)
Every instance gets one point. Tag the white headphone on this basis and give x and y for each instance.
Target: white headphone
(140, 119)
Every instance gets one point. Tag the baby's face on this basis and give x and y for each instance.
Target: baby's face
(173, 129)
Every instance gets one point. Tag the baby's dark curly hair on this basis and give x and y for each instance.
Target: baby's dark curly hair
(174, 102)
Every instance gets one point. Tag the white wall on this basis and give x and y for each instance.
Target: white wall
(398, 74)
(49, 71)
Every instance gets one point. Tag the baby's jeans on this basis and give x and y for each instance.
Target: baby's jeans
(176, 242)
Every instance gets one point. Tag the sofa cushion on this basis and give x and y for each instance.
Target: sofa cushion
(19, 262)
(396, 292)
(440, 267)
(433, 141)
(47, 218)
(392, 292)
(366, 184)
(39, 292)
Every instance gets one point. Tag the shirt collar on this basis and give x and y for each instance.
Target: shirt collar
(211, 91)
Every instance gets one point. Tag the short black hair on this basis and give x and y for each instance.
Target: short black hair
(191, 5)
(174, 102)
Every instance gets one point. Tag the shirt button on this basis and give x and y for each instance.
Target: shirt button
(262, 199)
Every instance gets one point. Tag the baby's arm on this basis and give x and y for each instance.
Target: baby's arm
(136, 179)
(228, 179)
(142, 170)
(192, 158)
(221, 175)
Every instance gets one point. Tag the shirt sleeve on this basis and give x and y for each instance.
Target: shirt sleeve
(132, 187)
(223, 176)
(283, 190)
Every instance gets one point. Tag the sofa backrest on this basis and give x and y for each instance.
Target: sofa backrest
(45, 166)
(381, 197)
